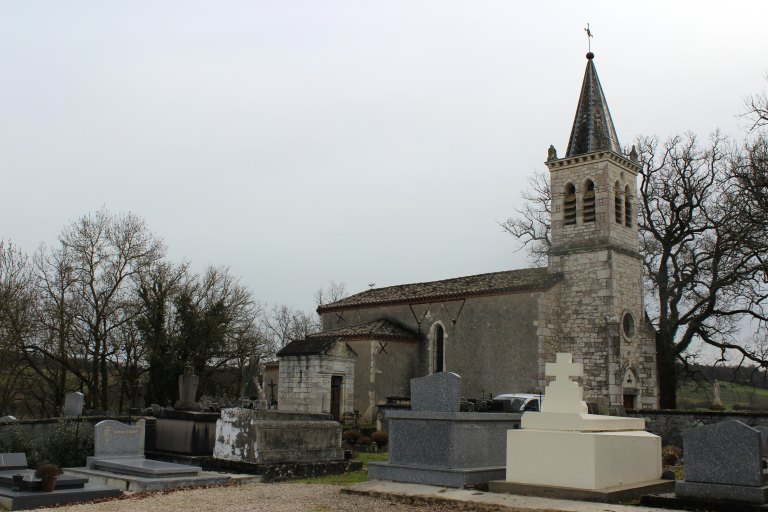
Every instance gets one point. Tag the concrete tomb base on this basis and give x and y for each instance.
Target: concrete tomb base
(670, 501)
(710, 491)
(582, 460)
(613, 494)
(147, 482)
(68, 489)
(444, 477)
(563, 451)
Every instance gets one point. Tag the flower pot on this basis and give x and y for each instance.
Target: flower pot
(48, 484)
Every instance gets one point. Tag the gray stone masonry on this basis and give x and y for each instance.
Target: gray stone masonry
(436, 392)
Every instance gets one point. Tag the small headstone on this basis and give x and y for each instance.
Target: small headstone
(727, 453)
(7, 419)
(10, 461)
(436, 392)
(115, 439)
(188, 384)
(73, 404)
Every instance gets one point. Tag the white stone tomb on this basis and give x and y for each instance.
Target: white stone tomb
(564, 446)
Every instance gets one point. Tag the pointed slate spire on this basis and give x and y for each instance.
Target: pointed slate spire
(592, 128)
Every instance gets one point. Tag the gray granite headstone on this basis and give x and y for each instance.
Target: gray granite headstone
(764, 436)
(437, 392)
(10, 461)
(73, 404)
(728, 453)
(115, 439)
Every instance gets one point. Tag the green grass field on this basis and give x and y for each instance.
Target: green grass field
(735, 397)
(349, 478)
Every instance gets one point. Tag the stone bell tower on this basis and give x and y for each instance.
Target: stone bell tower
(597, 311)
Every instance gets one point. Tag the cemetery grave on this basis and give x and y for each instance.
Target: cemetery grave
(119, 461)
(565, 452)
(725, 469)
(436, 444)
(20, 489)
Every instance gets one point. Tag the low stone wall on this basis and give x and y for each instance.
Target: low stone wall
(669, 424)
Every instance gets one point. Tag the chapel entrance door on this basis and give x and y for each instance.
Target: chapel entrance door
(336, 397)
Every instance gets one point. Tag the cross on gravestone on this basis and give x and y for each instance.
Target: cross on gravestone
(563, 395)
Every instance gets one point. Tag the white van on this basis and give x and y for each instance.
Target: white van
(520, 402)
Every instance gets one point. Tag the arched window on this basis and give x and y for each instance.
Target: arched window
(589, 202)
(627, 208)
(619, 210)
(439, 348)
(569, 205)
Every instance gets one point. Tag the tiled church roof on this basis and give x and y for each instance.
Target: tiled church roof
(593, 128)
(378, 329)
(321, 342)
(510, 281)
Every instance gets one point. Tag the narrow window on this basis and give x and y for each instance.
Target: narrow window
(439, 348)
(589, 202)
(569, 205)
(627, 208)
(619, 210)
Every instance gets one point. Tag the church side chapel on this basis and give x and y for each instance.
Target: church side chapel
(497, 330)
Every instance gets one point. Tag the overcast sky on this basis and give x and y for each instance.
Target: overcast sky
(300, 142)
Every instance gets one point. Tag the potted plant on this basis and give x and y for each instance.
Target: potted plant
(48, 473)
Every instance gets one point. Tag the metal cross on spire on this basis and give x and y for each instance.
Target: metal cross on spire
(589, 37)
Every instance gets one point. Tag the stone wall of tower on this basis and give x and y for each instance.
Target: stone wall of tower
(602, 282)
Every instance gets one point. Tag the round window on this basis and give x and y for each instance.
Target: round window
(628, 325)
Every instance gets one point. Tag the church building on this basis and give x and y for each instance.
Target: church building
(497, 330)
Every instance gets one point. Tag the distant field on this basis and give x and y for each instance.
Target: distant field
(735, 397)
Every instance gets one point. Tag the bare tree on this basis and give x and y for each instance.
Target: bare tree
(283, 324)
(17, 324)
(331, 293)
(532, 224)
(704, 241)
(108, 253)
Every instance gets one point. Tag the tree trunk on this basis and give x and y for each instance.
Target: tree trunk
(667, 378)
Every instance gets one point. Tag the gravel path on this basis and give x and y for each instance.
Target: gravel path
(282, 497)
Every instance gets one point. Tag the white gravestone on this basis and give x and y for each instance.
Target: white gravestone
(564, 446)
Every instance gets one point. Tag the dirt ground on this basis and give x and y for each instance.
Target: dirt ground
(281, 497)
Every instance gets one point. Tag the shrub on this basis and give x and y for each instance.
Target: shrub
(380, 438)
(68, 443)
(47, 471)
(670, 454)
(351, 436)
(364, 441)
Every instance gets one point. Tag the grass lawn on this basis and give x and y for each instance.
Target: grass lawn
(733, 396)
(353, 477)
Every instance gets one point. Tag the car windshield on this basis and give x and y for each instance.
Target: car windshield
(516, 403)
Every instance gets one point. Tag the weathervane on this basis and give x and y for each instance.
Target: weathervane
(589, 37)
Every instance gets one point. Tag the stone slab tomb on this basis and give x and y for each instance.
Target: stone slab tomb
(257, 436)
(435, 444)
(69, 489)
(119, 460)
(565, 452)
(724, 462)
